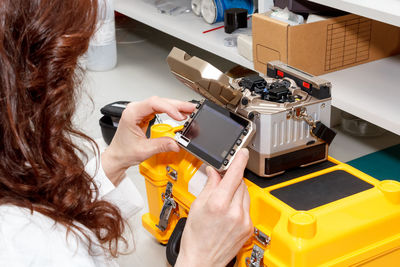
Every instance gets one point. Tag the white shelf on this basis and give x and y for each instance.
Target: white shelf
(387, 11)
(187, 27)
(370, 91)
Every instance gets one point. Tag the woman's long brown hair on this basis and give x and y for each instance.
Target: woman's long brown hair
(40, 43)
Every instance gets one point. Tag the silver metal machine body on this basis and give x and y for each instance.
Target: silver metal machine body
(284, 130)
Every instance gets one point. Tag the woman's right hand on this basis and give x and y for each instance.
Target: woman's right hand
(219, 223)
(130, 146)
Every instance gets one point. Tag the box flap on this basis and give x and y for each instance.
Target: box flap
(269, 41)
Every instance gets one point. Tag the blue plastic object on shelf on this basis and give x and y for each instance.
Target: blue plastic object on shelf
(213, 10)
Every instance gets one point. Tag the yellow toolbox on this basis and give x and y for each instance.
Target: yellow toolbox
(327, 214)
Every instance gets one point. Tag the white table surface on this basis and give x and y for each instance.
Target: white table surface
(142, 72)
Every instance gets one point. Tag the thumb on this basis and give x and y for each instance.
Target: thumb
(159, 145)
(213, 180)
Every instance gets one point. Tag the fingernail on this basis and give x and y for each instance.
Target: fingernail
(245, 151)
(209, 170)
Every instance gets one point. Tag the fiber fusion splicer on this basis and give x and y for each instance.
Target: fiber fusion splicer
(290, 110)
(308, 209)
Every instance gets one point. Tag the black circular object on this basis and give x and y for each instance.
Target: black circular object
(251, 115)
(245, 101)
(174, 242)
(286, 83)
(226, 162)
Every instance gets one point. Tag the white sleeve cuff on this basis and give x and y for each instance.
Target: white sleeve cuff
(125, 196)
(95, 170)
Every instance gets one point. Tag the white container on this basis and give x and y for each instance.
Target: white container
(102, 52)
(196, 7)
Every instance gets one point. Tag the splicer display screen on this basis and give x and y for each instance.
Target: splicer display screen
(213, 133)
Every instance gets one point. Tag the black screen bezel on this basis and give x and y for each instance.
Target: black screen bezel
(204, 156)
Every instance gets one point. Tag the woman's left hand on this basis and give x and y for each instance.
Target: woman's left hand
(130, 146)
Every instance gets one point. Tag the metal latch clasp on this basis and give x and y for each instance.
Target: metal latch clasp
(257, 255)
(261, 237)
(300, 113)
(168, 206)
(317, 128)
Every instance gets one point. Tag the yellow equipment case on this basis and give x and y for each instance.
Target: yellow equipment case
(327, 214)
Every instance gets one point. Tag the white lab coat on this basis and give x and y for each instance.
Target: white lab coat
(36, 240)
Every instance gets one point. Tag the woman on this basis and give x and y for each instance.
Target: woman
(53, 211)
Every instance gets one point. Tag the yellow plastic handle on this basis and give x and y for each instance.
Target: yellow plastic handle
(160, 130)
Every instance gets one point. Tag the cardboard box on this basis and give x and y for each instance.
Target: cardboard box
(323, 46)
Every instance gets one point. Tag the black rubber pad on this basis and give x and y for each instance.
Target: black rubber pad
(287, 175)
(321, 190)
(294, 159)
